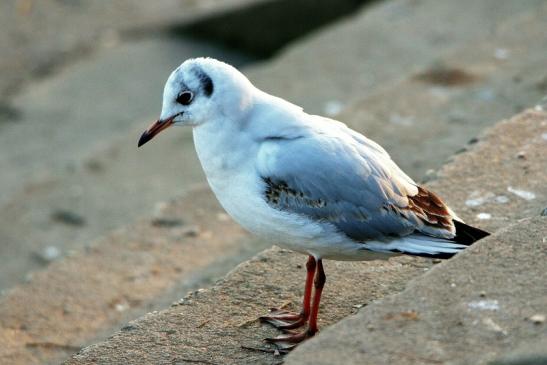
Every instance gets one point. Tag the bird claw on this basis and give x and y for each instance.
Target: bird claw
(284, 320)
(288, 341)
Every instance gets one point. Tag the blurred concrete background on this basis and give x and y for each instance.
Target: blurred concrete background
(94, 233)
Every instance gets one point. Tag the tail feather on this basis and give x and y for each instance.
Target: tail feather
(434, 247)
(466, 234)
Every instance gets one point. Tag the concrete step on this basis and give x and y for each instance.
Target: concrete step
(386, 42)
(491, 186)
(142, 267)
(429, 115)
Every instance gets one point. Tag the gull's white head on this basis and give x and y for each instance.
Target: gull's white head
(201, 90)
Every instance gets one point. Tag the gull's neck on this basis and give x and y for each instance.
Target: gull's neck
(226, 146)
(222, 148)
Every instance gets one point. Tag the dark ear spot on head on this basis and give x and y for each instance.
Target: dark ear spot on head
(207, 84)
(205, 81)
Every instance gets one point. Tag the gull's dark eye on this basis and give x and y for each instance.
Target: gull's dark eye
(185, 97)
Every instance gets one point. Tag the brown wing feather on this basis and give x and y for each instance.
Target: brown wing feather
(430, 210)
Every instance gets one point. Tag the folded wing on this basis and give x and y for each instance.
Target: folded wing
(345, 179)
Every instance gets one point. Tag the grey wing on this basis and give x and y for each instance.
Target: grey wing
(352, 183)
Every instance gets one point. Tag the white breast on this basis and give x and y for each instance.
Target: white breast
(240, 190)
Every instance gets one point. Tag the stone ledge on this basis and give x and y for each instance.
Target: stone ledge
(82, 297)
(212, 325)
(350, 60)
(425, 118)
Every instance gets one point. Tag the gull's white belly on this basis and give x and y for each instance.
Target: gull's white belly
(242, 197)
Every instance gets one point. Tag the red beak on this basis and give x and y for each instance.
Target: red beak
(154, 129)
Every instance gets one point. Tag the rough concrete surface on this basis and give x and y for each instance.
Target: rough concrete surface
(343, 62)
(121, 276)
(425, 118)
(210, 326)
(502, 178)
(532, 352)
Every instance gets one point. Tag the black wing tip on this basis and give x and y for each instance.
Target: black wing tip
(466, 234)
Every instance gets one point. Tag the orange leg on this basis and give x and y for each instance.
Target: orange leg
(288, 320)
(291, 339)
(320, 279)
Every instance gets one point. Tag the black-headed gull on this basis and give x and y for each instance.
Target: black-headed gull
(306, 182)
